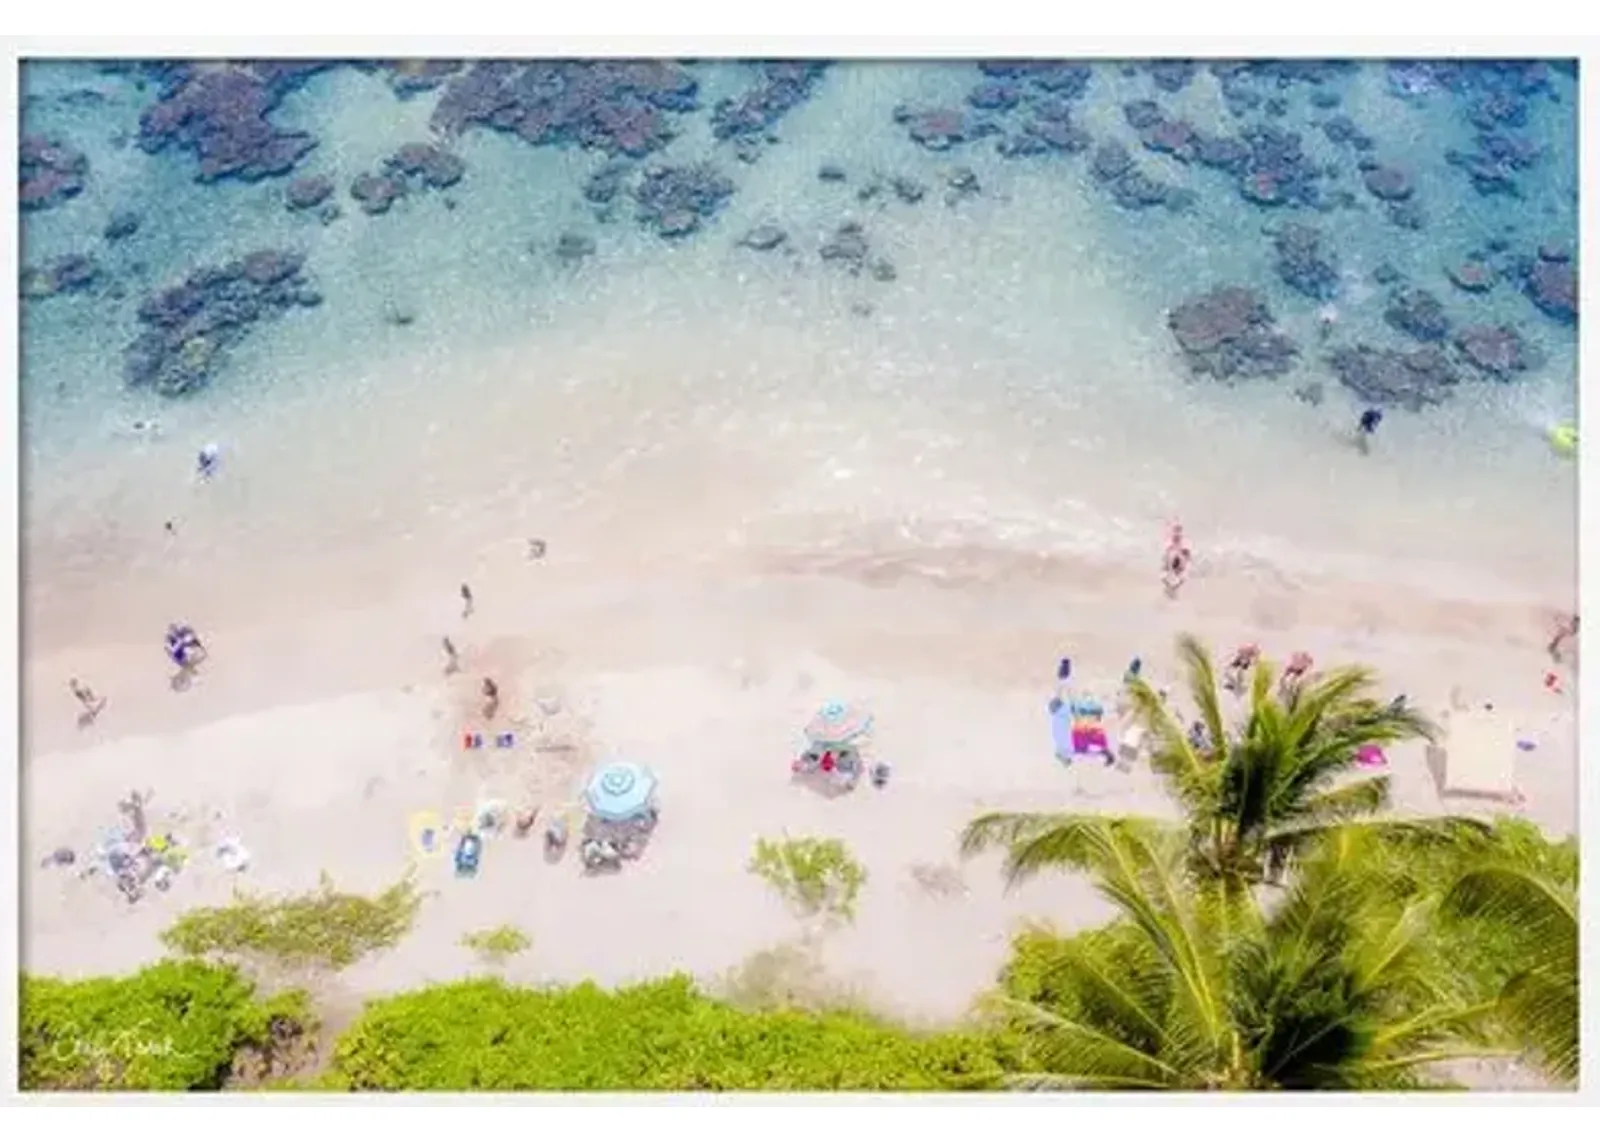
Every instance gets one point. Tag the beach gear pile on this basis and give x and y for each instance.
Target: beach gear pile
(622, 814)
(135, 858)
(1078, 728)
(837, 740)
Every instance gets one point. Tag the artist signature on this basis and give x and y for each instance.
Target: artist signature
(74, 1045)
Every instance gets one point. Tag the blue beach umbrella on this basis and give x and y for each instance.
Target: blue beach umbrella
(620, 791)
(838, 724)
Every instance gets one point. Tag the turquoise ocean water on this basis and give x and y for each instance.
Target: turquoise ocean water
(1011, 386)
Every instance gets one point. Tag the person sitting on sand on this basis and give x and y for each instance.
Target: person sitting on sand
(1244, 659)
(1294, 675)
(1175, 564)
(184, 647)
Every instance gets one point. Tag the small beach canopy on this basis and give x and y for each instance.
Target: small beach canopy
(1480, 756)
(620, 791)
(837, 724)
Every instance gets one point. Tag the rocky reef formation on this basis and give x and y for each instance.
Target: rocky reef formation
(1496, 351)
(307, 191)
(1550, 281)
(412, 77)
(1305, 262)
(426, 165)
(675, 201)
(1411, 380)
(377, 193)
(941, 128)
(767, 236)
(1472, 275)
(572, 248)
(1172, 75)
(66, 274)
(1229, 332)
(121, 225)
(48, 172)
(1344, 131)
(189, 327)
(1130, 187)
(220, 112)
(781, 86)
(1027, 103)
(848, 249)
(620, 107)
(1417, 313)
(1278, 172)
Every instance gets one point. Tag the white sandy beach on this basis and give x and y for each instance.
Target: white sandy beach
(315, 741)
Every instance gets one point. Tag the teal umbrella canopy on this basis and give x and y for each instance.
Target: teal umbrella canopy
(838, 723)
(620, 791)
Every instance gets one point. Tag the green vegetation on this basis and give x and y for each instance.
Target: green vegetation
(497, 945)
(1331, 987)
(815, 875)
(327, 928)
(1283, 935)
(482, 1035)
(1538, 916)
(175, 1026)
(1253, 794)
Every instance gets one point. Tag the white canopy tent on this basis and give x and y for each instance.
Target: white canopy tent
(1479, 757)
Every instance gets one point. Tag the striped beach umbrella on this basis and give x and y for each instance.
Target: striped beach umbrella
(838, 724)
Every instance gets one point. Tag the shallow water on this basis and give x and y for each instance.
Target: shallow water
(1014, 388)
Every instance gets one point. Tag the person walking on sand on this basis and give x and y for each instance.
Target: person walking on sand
(1175, 563)
(1243, 660)
(466, 601)
(452, 661)
(1566, 631)
(1294, 675)
(92, 704)
(491, 699)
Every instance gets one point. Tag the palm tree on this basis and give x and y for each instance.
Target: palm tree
(1539, 1003)
(1252, 795)
(1197, 989)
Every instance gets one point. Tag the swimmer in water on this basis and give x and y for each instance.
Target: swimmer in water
(206, 462)
(1175, 563)
(1368, 424)
(1327, 317)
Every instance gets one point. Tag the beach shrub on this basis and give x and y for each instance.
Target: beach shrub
(663, 1035)
(815, 875)
(498, 944)
(327, 928)
(174, 1026)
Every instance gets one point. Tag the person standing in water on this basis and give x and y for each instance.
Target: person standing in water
(1366, 426)
(1175, 563)
(206, 462)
